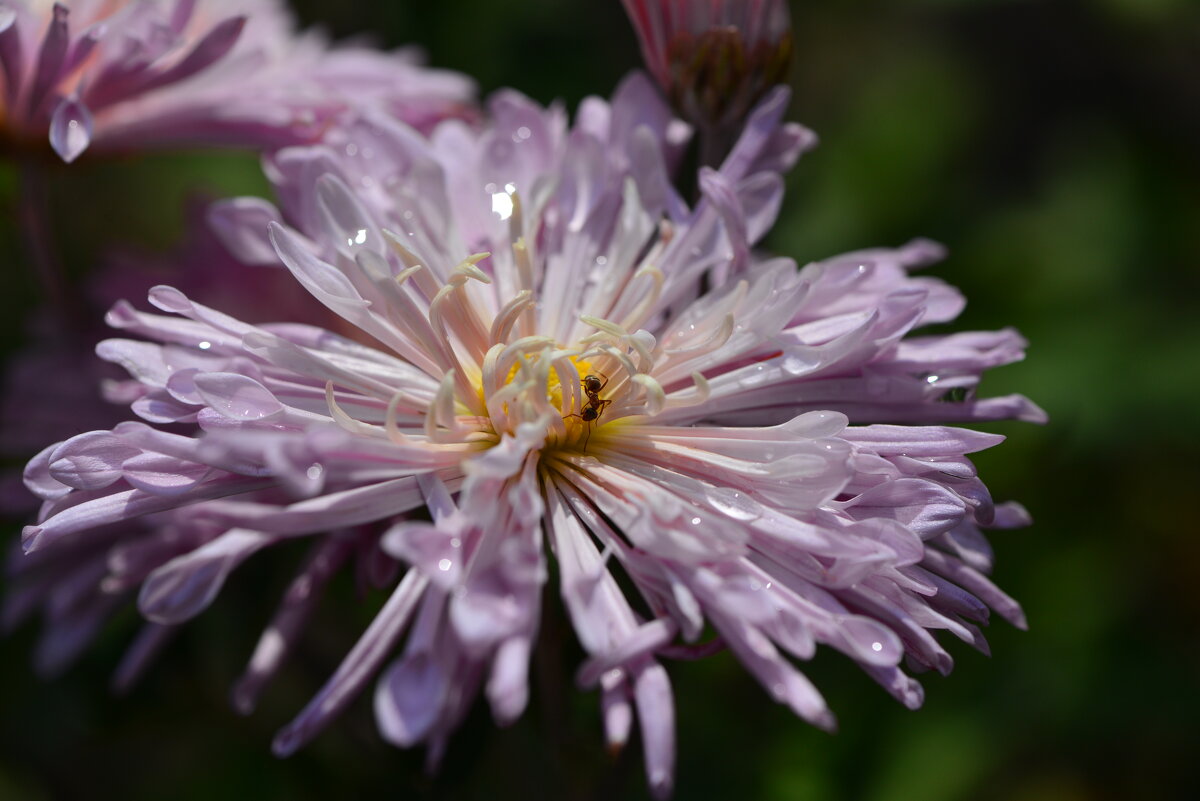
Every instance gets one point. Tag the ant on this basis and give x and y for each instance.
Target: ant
(595, 406)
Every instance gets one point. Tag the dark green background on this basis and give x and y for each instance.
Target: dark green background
(1053, 147)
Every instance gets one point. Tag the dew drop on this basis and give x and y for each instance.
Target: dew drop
(444, 565)
(695, 521)
(799, 362)
(502, 205)
(731, 503)
(205, 345)
(314, 471)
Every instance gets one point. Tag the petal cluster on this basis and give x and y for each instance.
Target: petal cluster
(129, 75)
(546, 353)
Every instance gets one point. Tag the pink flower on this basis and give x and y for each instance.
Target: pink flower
(548, 376)
(128, 75)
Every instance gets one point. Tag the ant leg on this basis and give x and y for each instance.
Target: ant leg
(588, 426)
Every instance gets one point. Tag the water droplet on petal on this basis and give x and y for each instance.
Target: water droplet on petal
(732, 503)
(502, 205)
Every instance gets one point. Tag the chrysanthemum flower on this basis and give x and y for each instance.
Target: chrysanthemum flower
(540, 373)
(118, 74)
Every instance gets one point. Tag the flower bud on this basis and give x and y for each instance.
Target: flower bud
(714, 58)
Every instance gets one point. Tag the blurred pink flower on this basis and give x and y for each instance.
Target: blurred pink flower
(549, 373)
(54, 387)
(131, 74)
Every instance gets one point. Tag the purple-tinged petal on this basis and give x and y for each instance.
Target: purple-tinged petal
(241, 226)
(185, 586)
(119, 506)
(11, 58)
(50, 60)
(215, 44)
(150, 642)
(1011, 515)
(38, 478)
(924, 441)
(90, 461)
(656, 712)
(922, 506)
(297, 605)
(237, 397)
(65, 638)
(70, 128)
(437, 552)
(508, 684)
(158, 474)
(357, 668)
(976, 583)
(409, 698)
(617, 710)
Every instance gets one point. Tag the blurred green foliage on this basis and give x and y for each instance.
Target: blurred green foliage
(1052, 147)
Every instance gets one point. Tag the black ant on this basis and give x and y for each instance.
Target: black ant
(595, 406)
